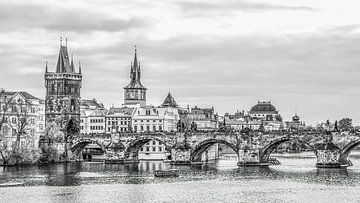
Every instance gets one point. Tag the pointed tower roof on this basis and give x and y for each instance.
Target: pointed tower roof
(79, 67)
(46, 68)
(135, 74)
(169, 101)
(72, 69)
(63, 64)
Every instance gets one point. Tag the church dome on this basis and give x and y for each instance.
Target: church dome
(263, 107)
(296, 118)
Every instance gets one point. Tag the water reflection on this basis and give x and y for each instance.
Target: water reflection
(69, 174)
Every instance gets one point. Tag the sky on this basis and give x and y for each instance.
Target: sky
(303, 55)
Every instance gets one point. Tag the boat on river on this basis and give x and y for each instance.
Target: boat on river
(167, 173)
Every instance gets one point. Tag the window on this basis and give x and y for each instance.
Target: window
(73, 105)
(160, 128)
(154, 142)
(160, 149)
(147, 149)
(147, 128)
(154, 128)
(147, 112)
(141, 128)
(135, 128)
(154, 149)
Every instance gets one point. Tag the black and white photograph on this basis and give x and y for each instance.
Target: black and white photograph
(179, 101)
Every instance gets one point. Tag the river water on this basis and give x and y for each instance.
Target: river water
(295, 180)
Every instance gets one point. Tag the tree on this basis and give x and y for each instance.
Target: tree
(345, 124)
(336, 128)
(17, 119)
(72, 129)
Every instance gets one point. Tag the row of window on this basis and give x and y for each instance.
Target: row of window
(96, 127)
(110, 118)
(117, 122)
(153, 149)
(141, 128)
(97, 120)
(14, 120)
(119, 129)
(147, 121)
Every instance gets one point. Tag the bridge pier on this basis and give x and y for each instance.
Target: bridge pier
(180, 156)
(250, 157)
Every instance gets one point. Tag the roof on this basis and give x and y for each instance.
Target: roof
(91, 102)
(263, 107)
(26, 95)
(63, 64)
(124, 110)
(135, 75)
(169, 101)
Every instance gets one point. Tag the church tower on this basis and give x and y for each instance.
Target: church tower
(62, 101)
(135, 92)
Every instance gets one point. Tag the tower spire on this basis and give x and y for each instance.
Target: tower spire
(46, 66)
(72, 69)
(79, 67)
(60, 41)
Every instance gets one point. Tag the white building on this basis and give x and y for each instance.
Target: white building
(119, 119)
(155, 119)
(92, 117)
(22, 118)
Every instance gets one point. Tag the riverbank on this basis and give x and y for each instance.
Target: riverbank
(200, 191)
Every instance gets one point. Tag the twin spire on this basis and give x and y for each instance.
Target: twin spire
(135, 74)
(64, 65)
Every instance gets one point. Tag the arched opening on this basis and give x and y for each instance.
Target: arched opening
(350, 154)
(208, 151)
(148, 148)
(88, 150)
(289, 152)
(72, 105)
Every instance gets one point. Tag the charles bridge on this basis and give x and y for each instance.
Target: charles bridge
(252, 148)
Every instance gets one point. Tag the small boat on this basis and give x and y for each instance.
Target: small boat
(167, 173)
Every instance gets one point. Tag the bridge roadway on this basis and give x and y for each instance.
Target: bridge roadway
(252, 148)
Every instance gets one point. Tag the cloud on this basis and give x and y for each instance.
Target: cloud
(21, 17)
(200, 8)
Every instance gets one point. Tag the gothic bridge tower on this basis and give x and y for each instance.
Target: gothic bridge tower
(62, 101)
(135, 92)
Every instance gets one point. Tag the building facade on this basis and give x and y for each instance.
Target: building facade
(262, 116)
(62, 100)
(203, 119)
(21, 123)
(119, 120)
(92, 117)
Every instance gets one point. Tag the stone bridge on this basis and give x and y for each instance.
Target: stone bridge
(252, 148)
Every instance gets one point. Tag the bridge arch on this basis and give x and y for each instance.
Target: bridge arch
(265, 152)
(132, 150)
(79, 145)
(198, 149)
(345, 151)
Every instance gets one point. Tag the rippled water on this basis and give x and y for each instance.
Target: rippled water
(295, 180)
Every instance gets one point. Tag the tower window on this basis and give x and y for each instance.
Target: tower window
(72, 105)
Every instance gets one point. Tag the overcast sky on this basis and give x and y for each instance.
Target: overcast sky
(300, 54)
